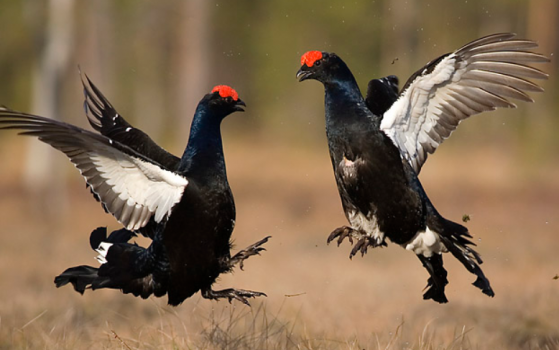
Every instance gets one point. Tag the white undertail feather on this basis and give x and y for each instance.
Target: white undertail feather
(426, 243)
(103, 249)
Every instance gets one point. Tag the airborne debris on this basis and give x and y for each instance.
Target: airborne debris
(465, 218)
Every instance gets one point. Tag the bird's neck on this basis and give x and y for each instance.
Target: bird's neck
(343, 102)
(204, 152)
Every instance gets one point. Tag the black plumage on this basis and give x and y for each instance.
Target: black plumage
(184, 205)
(381, 94)
(104, 118)
(379, 143)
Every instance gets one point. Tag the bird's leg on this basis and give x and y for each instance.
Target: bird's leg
(341, 233)
(230, 293)
(253, 249)
(437, 280)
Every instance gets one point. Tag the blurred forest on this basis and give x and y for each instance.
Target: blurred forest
(154, 60)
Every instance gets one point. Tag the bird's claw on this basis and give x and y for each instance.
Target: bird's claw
(253, 249)
(341, 233)
(237, 294)
(362, 245)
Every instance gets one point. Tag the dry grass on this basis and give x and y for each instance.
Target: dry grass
(317, 297)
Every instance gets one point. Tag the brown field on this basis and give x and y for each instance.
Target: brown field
(317, 297)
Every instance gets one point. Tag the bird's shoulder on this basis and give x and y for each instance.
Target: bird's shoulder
(206, 189)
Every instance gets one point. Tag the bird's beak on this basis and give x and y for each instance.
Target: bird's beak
(303, 74)
(240, 106)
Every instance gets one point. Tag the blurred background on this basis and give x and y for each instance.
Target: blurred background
(155, 60)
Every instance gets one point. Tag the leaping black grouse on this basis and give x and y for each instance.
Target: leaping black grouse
(378, 144)
(183, 204)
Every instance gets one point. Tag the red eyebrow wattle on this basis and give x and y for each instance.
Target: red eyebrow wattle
(226, 91)
(310, 58)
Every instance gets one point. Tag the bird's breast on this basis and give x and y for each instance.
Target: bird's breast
(349, 168)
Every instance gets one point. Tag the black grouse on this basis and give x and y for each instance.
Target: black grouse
(379, 143)
(183, 204)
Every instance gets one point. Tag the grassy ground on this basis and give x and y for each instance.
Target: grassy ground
(317, 297)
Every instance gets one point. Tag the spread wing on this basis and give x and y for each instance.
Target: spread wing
(480, 76)
(105, 119)
(131, 186)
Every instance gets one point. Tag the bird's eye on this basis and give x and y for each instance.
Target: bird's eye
(317, 63)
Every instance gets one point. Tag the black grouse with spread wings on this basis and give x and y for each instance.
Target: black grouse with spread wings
(378, 144)
(186, 202)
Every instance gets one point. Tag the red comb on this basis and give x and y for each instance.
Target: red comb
(226, 91)
(310, 58)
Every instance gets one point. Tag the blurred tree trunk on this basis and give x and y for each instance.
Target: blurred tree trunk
(192, 59)
(543, 28)
(399, 38)
(44, 171)
(97, 44)
(149, 99)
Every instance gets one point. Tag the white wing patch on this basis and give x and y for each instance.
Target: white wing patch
(133, 190)
(481, 76)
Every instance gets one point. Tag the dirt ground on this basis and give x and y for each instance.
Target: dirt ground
(317, 297)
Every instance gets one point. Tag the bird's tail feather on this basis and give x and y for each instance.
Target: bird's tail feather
(456, 239)
(81, 277)
(124, 266)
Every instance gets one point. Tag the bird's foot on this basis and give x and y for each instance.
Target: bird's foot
(253, 249)
(435, 292)
(341, 233)
(238, 294)
(363, 243)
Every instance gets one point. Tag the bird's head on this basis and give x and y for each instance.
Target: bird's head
(322, 66)
(223, 100)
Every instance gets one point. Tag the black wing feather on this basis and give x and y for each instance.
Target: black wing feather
(381, 94)
(104, 118)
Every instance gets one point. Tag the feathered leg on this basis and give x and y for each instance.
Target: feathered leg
(437, 282)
